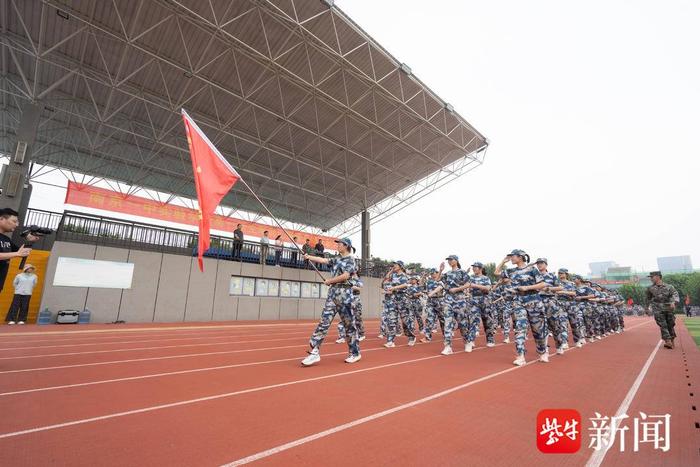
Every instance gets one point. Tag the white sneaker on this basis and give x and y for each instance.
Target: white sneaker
(21, 322)
(361, 338)
(412, 342)
(506, 340)
(353, 358)
(560, 351)
(617, 332)
(477, 333)
(389, 345)
(380, 336)
(340, 340)
(544, 358)
(314, 357)
(490, 344)
(11, 322)
(468, 346)
(447, 350)
(599, 338)
(520, 361)
(579, 344)
(591, 340)
(565, 346)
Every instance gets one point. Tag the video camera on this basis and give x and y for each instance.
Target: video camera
(37, 232)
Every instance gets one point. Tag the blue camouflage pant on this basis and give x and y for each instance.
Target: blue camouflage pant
(434, 312)
(505, 309)
(456, 315)
(571, 314)
(556, 320)
(357, 316)
(482, 310)
(383, 319)
(589, 319)
(416, 308)
(339, 302)
(531, 311)
(399, 309)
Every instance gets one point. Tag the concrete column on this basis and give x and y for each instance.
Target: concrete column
(365, 235)
(14, 176)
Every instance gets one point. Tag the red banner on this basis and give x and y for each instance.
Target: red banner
(99, 198)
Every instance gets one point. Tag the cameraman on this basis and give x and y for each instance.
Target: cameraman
(8, 249)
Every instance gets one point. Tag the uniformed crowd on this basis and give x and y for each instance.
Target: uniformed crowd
(526, 297)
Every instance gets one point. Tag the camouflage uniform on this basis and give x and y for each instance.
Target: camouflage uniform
(399, 308)
(598, 314)
(356, 309)
(660, 298)
(585, 310)
(384, 318)
(528, 306)
(502, 303)
(480, 308)
(571, 312)
(555, 315)
(456, 307)
(339, 301)
(620, 311)
(416, 305)
(434, 308)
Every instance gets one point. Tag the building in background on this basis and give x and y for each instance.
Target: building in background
(599, 268)
(675, 264)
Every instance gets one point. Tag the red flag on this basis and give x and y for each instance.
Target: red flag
(213, 178)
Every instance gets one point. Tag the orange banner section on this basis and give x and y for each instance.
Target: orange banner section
(99, 198)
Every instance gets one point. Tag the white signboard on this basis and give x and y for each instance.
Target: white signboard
(78, 272)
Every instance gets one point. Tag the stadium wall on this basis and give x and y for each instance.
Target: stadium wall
(170, 288)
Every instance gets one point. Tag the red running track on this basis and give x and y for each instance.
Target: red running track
(232, 393)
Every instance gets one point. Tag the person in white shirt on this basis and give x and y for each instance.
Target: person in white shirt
(24, 284)
(264, 247)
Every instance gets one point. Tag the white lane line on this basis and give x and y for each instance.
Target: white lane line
(152, 329)
(148, 359)
(222, 336)
(138, 349)
(215, 397)
(597, 457)
(170, 373)
(375, 416)
(117, 338)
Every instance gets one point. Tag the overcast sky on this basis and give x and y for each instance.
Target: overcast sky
(593, 114)
(592, 109)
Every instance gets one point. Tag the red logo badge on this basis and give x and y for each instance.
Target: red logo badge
(558, 431)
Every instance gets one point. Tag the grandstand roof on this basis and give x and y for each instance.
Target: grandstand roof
(317, 117)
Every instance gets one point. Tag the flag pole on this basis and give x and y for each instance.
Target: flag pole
(323, 279)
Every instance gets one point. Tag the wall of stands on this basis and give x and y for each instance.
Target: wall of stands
(170, 288)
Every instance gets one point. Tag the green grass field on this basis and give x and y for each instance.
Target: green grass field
(693, 325)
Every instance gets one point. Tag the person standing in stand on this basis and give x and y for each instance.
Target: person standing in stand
(237, 242)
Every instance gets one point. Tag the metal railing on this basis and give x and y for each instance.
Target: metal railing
(79, 227)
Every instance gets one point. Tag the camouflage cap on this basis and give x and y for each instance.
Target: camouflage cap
(563, 271)
(454, 257)
(542, 260)
(478, 264)
(517, 252)
(655, 273)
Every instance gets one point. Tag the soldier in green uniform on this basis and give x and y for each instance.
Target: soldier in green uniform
(662, 300)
